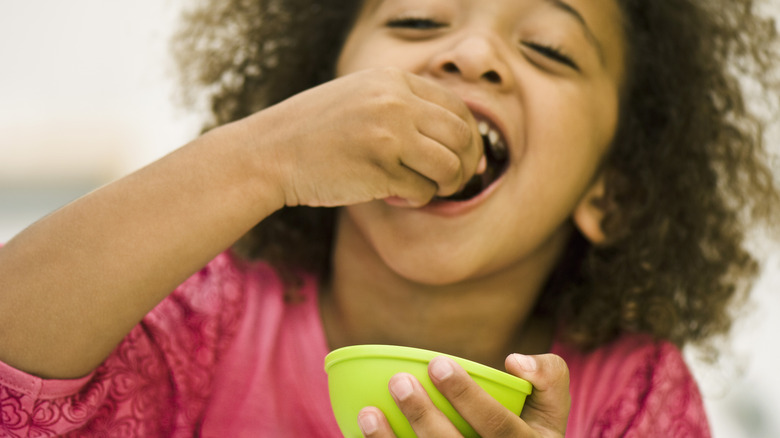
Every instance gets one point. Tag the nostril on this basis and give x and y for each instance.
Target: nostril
(492, 77)
(450, 67)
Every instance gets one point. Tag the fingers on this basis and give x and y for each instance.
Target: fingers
(439, 164)
(415, 403)
(549, 404)
(411, 188)
(429, 90)
(545, 412)
(486, 415)
(373, 423)
(396, 136)
(445, 119)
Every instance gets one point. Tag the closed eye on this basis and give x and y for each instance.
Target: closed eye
(553, 53)
(415, 23)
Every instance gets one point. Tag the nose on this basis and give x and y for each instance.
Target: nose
(475, 58)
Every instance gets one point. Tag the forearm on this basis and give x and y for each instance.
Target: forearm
(75, 283)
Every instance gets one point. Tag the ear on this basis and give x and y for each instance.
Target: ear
(590, 211)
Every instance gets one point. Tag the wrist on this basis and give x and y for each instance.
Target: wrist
(255, 162)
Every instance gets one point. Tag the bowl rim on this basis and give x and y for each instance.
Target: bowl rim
(424, 356)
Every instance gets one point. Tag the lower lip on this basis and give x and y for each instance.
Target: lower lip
(456, 208)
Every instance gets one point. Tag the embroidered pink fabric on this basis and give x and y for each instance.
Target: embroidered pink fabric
(225, 355)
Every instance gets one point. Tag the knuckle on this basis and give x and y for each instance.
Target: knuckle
(463, 133)
(393, 72)
(556, 372)
(499, 424)
(457, 390)
(560, 367)
(460, 108)
(415, 413)
(452, 173)
(388, 102)
(383, 140)
(381, 145)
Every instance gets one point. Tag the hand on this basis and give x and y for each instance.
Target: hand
(544, 415)
(374, 134)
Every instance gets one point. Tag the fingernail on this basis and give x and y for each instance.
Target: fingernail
(482, 166)
(401, 387)
(368, 422)
(441, 368)
(396, 201)
(527, 363)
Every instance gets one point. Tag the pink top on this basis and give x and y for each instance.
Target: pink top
(226, 355)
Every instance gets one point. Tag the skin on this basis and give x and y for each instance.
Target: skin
(399, 120)
(470, 294)
(551, 168)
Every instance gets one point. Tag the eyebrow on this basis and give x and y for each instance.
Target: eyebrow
(560, 4)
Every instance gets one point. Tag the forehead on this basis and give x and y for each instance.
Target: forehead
(599, 7)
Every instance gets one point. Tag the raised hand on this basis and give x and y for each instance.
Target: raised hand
(374, 134)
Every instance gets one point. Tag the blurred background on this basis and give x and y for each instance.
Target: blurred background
(87, 94)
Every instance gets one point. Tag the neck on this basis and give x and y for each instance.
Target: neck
(483, 319)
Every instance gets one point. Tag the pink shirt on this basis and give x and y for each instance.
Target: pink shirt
(227, 355)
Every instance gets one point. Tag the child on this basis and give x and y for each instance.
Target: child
(551, 187)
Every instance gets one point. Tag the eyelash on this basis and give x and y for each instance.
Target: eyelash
(551, 52)
(415, 23)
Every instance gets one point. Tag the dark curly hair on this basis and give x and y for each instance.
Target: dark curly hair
(686, 175)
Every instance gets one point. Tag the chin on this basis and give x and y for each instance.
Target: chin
(431, 269)
(399, 244)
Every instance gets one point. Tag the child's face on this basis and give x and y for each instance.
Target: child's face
(547, 73)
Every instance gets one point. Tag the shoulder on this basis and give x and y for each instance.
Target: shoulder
(633, 386)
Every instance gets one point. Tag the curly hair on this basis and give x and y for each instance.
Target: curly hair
(687, 174)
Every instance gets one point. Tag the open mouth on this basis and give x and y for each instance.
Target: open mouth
(497, 156)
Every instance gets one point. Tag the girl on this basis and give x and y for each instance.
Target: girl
(554, 187)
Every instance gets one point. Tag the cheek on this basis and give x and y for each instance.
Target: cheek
(584, 120)
(345, 57)
(354, 58)
(610, 115)
(362, 49)
(568, 135)
(365, 49)
(560, 120)
(372, 54)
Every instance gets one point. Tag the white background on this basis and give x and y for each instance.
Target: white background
(86, 95)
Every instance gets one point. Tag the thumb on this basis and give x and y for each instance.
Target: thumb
(547, 408)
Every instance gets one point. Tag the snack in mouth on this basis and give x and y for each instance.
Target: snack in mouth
(497, 156)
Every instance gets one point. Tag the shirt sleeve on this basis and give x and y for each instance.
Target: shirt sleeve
(154, 383)
(658, 398)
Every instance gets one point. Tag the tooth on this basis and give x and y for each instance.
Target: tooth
(483, 128)
(494, 137)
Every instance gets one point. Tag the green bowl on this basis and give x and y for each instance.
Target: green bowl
(358, 376)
